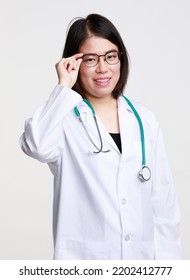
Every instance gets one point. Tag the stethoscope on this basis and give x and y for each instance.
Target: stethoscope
(145, 173)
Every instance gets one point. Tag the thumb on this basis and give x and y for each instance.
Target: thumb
(79, 60)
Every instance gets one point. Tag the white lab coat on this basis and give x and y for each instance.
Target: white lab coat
(101, 209)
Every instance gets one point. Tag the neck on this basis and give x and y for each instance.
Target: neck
(103, 104)
(106, 110)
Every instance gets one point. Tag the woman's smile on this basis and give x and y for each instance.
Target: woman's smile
(99, 80)
(102, 82)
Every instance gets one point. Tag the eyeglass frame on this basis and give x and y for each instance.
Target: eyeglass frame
(118, 53)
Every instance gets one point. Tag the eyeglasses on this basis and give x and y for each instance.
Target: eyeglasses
(92, 59)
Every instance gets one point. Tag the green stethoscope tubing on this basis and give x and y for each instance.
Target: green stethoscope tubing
(141, 129)
(90, 106)
(145, 172)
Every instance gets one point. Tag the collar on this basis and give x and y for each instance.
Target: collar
(123, 105)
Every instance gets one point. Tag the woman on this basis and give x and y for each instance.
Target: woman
(102, 208)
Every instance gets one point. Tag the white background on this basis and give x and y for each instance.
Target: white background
(32, 35)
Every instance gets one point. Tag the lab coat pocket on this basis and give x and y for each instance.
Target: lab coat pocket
(80, 250)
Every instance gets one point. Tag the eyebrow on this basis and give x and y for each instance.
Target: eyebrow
(112, 50)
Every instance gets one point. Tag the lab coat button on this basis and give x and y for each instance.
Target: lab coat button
(123, 201)
(127, 237)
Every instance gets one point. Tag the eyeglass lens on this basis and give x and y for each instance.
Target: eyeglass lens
(111, 57)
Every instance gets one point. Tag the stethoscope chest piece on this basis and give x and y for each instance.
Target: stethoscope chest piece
(145, 173)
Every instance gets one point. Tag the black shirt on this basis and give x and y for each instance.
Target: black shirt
(117, 138)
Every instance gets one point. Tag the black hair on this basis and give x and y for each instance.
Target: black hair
(94, 24)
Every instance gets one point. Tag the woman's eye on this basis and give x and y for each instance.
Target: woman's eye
(90, 59)
(111, 56)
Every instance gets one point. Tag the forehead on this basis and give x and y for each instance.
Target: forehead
(97, 45)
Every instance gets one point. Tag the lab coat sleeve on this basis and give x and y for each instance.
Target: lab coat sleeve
(43, 134)
(165, 205)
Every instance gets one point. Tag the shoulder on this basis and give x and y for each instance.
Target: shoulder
(148, 117)
(144, 110)
(139, 107)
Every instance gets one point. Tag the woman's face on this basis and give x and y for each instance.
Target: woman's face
(99, 80)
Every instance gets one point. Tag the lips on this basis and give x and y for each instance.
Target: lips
(102, 81)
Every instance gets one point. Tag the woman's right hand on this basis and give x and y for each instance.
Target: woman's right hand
(67, 70)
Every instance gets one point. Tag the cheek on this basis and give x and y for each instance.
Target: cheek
(84, 74)
(117, 73)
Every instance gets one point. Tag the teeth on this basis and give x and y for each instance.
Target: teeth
(102, 81)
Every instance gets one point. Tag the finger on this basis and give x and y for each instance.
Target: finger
(70, 65)
(73, 62)
(78, 55)
(78, 63)
(60, 63)
(75, 65)
(66, 63)
(78, 60)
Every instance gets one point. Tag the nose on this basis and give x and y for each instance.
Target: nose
(102, 65)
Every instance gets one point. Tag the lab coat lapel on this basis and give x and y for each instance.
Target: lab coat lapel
(87, 117)
(127, 123)
(106, 137)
